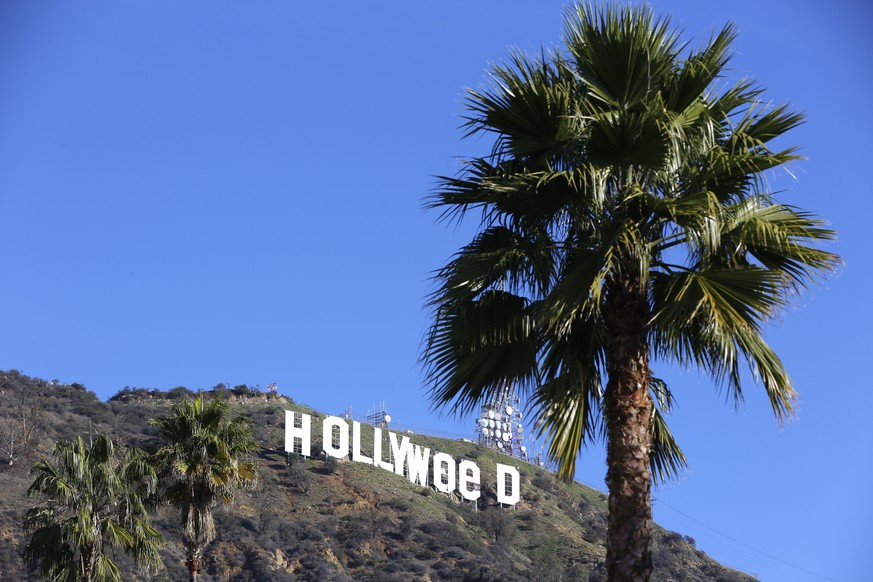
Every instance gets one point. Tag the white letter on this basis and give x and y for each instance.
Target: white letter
(400, 452)
(441, 460)
(418, 462)
(357, 455)
(340, 448)
(415, 460)
(468, 474)
(508, 490)
(302, 432)
(377, 451)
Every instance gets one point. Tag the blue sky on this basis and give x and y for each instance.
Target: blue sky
(202, 192)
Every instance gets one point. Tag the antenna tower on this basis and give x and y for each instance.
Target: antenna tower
(379, 417)
(500, 424)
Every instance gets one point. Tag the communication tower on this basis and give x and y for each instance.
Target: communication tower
(500, 424)
(379, 417)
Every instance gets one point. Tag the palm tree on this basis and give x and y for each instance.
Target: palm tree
(625, 218)
(96, 498)
(205, 458)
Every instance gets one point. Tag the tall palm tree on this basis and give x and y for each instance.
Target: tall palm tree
(206, 457)
(625, 217)
(96, 498)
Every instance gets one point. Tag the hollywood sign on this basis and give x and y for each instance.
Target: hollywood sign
(404, 458)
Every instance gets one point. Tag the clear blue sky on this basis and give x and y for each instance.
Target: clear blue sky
(201, 192)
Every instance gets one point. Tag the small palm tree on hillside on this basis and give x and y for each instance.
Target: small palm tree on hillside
(625, 217)
(96, 499)
(206, 457)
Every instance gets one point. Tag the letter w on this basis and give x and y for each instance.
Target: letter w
(412, 458)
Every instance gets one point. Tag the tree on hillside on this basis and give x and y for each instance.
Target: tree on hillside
(624, 216)
(96, 497)
(205, 458)
(20, 419)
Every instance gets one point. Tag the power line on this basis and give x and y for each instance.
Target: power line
(745, 545)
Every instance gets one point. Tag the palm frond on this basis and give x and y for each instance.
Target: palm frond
(624, 163)
(477, 347)
(525, 106)
(95, 497)
(667, 459)
(700, 70)
(499, 256)
(620, 54)
(205, 457)
(568, 414)
(781, 238)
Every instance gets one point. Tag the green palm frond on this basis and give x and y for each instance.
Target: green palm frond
(726, 299)
(205, 458)
(623, 162)
(498, 256)
(568, 415)
(780, 238)
(667, 460)
(586, 269)
(567, 402)
(526, 107)
(105, 570)
(620, 54)
(700, 70)
(96, 499)
(712, 320)
(477, 347)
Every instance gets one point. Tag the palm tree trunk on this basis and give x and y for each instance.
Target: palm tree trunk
(628, 419)
(87, 560)
(194, 562)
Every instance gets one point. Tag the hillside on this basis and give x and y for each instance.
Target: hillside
(318, 520)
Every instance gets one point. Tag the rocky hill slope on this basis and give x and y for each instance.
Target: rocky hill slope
(317, 519)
